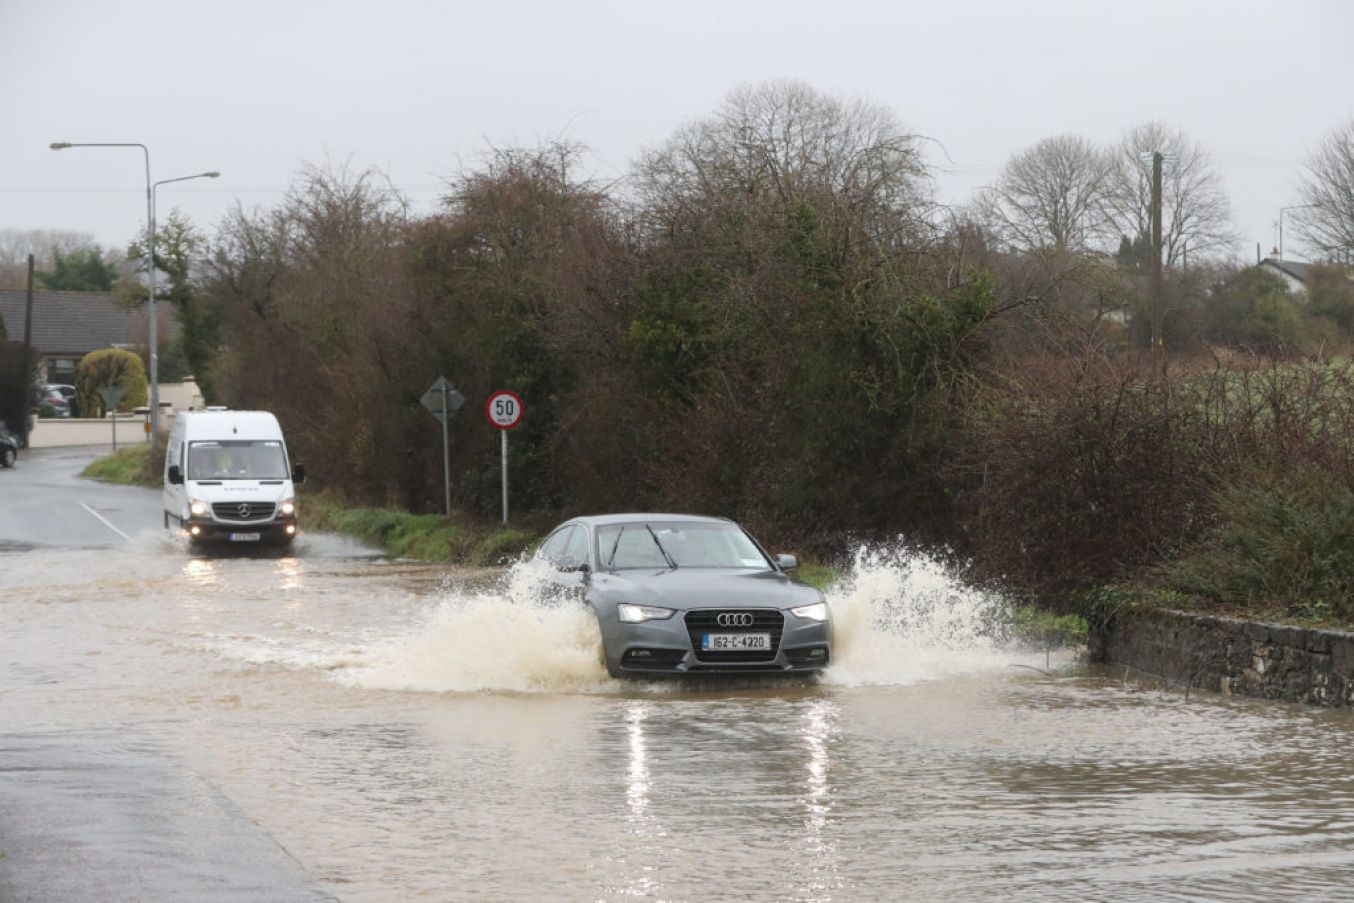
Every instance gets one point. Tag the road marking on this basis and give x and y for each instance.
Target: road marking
(103, 520)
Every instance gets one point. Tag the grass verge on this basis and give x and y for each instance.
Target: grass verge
(427, 537)
(129, 466)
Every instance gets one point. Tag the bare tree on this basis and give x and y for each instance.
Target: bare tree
(1050, 197)
(1328, 185)
(787, 143)
(17, 244)
(1196, 216)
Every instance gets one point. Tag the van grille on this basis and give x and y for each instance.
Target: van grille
(243, 511)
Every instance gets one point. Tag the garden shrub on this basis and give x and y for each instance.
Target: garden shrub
(109, 367)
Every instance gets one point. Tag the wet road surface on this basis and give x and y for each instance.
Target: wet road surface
(335, 724)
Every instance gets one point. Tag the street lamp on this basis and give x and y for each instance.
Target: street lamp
(150, 270)
(1281, 212)
(154, 350)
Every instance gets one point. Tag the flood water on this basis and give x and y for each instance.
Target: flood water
(405, 732)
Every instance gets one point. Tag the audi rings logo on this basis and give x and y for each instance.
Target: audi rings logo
(734, 619)
(245, 510)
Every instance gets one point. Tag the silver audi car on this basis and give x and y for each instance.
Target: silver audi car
(676, 594)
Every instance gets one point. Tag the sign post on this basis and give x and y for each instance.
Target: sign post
(504, 410)
(111, 395)
(443, 401)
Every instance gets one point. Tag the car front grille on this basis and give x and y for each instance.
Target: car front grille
(764, 620)
(243, 511)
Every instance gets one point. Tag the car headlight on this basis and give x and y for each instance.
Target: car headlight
(288, 506)
(197, 509)
(637, 614)
(815, 612)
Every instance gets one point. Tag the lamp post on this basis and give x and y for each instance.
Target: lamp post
(1281, 212)
(150, 269)
(154, 355)
(150, 274)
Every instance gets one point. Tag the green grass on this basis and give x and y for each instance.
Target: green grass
(1283, 547)
(426, 537)
(1037, 626)
(129, 466)
(820, 576)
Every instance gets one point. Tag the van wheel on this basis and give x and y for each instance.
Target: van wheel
(7, 457)
(166, 514)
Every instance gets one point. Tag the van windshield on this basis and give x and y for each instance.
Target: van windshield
(236, 460)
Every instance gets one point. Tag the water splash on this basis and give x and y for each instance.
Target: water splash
(901, 616)
(522, 634)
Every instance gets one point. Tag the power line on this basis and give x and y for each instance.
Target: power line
(14, 189)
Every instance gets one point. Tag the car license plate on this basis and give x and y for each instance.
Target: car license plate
(245, 537)
(736, 642)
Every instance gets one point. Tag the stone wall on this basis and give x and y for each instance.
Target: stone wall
(57, 432)
(1229, 656)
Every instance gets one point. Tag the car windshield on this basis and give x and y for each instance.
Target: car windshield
(689, 545)
(236, 460)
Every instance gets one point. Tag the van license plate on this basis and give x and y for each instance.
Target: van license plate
(245, 537)
(736, 642)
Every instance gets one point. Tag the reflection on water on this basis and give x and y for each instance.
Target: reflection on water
(945, 775)
(289, 571)
(819, 850)
(637, 791)
(201, 572)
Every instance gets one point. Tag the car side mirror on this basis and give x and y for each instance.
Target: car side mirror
(175, 475)
(787, 562)
(298, 473)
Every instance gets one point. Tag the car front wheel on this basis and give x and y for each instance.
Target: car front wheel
(7, 456)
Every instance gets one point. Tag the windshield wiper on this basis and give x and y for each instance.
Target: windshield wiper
(666, 557)
(611, 562)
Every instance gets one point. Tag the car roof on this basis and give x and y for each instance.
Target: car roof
(603, 520)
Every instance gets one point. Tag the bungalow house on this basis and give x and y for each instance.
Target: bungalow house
(69, 325)
(1293, 273)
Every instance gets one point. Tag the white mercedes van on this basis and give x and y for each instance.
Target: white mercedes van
(228, 478)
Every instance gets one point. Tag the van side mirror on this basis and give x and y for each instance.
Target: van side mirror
(175, 474)
(298, 473)
(787, 562)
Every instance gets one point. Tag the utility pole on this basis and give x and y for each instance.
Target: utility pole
(1158, 337)
(28, 355)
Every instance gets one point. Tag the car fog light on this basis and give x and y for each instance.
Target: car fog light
(196, 508)
(815, 612)
(637, 614)
(291, 529)
(195, 530)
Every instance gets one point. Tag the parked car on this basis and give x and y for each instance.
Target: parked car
(678, 594)
(9, 446)
(51, 402)
(68, 393)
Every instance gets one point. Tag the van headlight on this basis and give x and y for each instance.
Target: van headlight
(197, 508)
(814, 612)
(287, 507)
(638, 614)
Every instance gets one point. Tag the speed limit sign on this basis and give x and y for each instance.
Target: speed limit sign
(504, 409)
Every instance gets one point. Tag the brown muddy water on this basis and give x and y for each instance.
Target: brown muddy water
(406, 732)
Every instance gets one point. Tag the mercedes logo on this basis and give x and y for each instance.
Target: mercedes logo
(245, 509)
(734, 619)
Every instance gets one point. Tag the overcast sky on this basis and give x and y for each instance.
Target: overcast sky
(420, 88)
